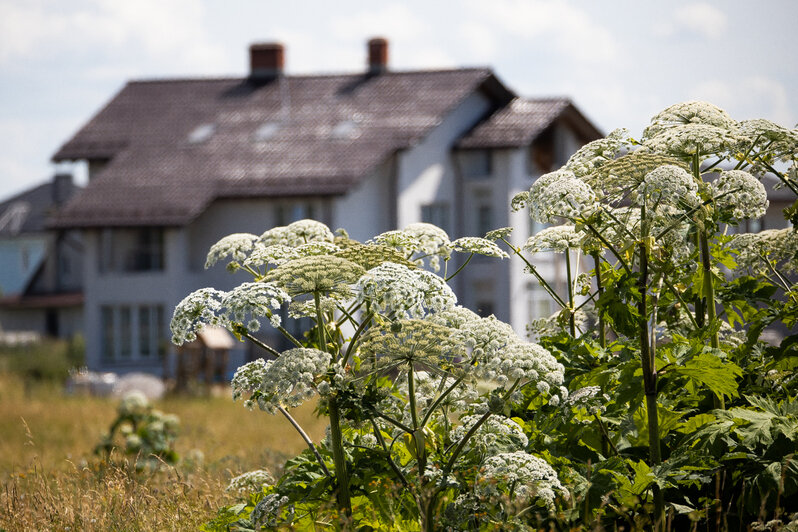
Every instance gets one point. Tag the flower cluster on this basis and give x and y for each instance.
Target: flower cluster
(433, 243)
(483, 336)
(297, 233)
(595, 154)
(275, 255)
(529, 476)
(691, 112)
(196, 311)
(741, 194)
(249, 301)
(289, 380)
(370, 255)
(524, 362)
(754, 251)
(497, 434)
(401, 291)
(236, 246)
(420, 343)
(560, 194)
(559, 238)
(251, 481)
(317, 274)
(267, 512)
(668, 185)
(479, 246)
(588, 398)
(618, 177)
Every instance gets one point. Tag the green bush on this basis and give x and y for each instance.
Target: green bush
(48, 360)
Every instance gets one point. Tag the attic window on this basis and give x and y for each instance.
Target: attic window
(201, 133)
(266, 131)
(345, 130)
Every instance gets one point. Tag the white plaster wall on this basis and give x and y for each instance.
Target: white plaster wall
(370, 207)
(425, 172)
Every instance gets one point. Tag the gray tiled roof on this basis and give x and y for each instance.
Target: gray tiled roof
(326, 133)
(28, 211)
(516, 124)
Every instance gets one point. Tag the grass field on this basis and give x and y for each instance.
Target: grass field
(52, 481)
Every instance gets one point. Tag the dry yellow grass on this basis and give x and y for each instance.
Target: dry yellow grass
(52, 481)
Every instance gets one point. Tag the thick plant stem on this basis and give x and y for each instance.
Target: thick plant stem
(602, 325)
(709, 297)
(571, 319)
(339, 459)
(649, 383)
(336, 437)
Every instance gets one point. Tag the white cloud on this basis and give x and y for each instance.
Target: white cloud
(155, 31)
(568, 28)
(701, 19)
(748, 97)
(393, 21)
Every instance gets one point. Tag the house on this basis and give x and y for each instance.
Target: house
(174, 165)
(40, 269)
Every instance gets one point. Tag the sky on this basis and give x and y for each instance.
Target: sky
(619, 61)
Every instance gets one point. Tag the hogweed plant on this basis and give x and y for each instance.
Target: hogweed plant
(417, 389)
(677, 300)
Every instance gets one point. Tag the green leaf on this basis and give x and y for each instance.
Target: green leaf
(708, 370)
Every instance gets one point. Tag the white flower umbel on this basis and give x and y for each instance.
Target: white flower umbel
(691, 112)
(560, 194)
(668, 185)
(740, 193)
(527, 476)
(479, 246)
(317, 248)
(250, 482)
(755, 251)
(559, 238)
(396, 289)
(133, 404)
(317, 274)
(689, 139)
(497, 434)
(526, 362)
(273, 255)
(247, 302)
(433, 243)
(236, 246)
(287, 381)
(196, 311)
(297, 233)
(595, 154)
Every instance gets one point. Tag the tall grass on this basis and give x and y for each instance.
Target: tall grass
(52, 481)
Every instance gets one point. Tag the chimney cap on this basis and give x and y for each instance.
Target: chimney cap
(266, 60)
(377, 55)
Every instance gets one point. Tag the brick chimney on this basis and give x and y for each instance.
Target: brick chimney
(378, 55)
(266, 60)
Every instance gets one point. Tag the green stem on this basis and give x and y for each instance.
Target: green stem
(447, 279)
(534, 272)
(610, 247)
(260, 344)
(411, 394)
(381, 440)
(336, 436)
(356, 336)
(602, 324)
(305, 437)
(571, 320)
(649, 381)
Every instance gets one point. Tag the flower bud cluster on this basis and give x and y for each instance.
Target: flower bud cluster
(498, 434)
(740, 193)
(559, 238)
(397, 290)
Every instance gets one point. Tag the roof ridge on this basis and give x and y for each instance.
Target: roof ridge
(205, 79)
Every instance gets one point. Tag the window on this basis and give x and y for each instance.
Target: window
(436, 214)
(476, 164)
(132, 332)
(289, 212)
(138, 249)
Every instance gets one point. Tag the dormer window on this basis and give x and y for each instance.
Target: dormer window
(201, 133)
(266, 131)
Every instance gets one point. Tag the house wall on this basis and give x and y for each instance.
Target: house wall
(426, 172)
(369, 208)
